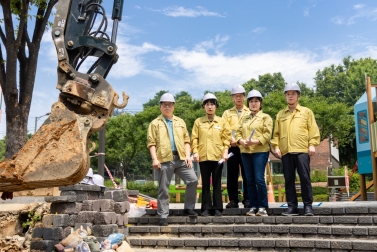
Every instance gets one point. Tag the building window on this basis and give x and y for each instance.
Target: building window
(277, 168)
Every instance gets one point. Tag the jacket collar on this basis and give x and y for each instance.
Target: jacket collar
(298, 108)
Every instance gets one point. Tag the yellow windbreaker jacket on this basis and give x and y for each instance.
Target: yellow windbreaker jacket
(295, 132)
(262, 124)
(158, 135)
(209, 139)
(231, 116)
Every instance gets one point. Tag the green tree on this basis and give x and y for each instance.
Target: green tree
(156, 99)
(2, 148)
(266, 83)
(18, 64)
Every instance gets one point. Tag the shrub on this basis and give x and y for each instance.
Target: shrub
(318, 176)
(317, 190)
(321, 197)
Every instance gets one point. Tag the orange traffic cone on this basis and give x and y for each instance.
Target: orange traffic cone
(270, 193)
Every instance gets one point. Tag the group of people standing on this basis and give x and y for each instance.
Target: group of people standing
(245, 132)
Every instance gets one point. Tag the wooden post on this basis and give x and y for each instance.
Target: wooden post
(279, 193)
(363, 190)
(371, 121)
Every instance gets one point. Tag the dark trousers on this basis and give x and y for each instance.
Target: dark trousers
(301, 162)
(208, 169)
(233, 165)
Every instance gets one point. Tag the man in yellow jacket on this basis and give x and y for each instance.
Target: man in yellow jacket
(169, 146)
(234, 116)
(295, 136)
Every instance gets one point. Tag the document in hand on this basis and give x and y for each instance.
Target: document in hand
(251, 134)
(229, 156)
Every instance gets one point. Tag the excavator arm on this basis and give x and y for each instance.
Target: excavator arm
(58, 154)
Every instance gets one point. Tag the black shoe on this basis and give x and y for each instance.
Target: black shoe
(246, 204)
(232, 204)
(291, 211)
(218, 213)
(189, 212)
(205, 213)
(308, 211)
(163, 222)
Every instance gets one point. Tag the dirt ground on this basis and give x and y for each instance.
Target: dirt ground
(13, 237)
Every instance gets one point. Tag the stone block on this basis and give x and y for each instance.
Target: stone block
(253, 219)
(143, 220)
(87, 205)
(104, 230)
(367, 220)
(138, 229)
(245, 229)
(278, 211)
(321, 211)
(133, 192)
(366, 245)
(65, 208)
(190, 229)
(117, 195)
(264, 229)
(283, 219)
(47, 220)
(196, 242)
(357, 210)
(80, 187)
(67, 231)
(133, 220)
(373, 209)
(103, 205)
(177, 219)
(162, 242)
(207, 229)
(134, 241)
(154, 229)
(53, 233)
(37, 232)
(122, 219)
(229, 242)
(240, 219)
(105, 218)
(341, 244)
(170, 229)
(325, 244)
(72, 219)
(151, 211)
(264, 243)
(81, 195)
(222, 229)
(121, 207)
(232, 211)
(43, 245)
(372, 230)
(305, 219)
(341, 230)
(268, 219)
(223, 220)
(86, 216)
(69, 198)
(204, 220)
(245, 243)
(282, 243)
(153, 220)
(326, 220)
(345, 219)
(324, 230)
(301, 243)
(303, 229)
(214, 242)
(176, 242)
(338, 210)
(361, 231)
(148, 242)
(60, 220)
(281, 229)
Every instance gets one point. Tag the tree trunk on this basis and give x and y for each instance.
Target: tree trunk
(16, 132)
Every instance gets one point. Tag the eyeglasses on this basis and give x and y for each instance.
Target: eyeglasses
(167, 104)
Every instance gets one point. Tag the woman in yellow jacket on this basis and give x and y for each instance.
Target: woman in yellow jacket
(210, 144)
(253, 135)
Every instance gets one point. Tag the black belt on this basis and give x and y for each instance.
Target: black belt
(175, 152)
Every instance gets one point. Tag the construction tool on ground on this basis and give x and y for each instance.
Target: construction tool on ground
(58, 154)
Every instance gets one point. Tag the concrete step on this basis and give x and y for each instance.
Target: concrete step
(151, 243)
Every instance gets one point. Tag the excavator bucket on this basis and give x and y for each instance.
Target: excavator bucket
(57, 155)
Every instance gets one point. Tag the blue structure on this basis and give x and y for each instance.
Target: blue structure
(362, 127)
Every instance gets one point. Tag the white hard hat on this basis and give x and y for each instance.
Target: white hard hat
(210, 96)
(90, 173)
(98, 180)
(292, 87)
(254, 93)
(238, 89)
(167, 97)
(86, 181)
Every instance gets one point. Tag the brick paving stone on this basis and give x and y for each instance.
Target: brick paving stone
(240, 219)
(324, 230)
(54, 233)
(204, 220)
(283, 219)
(301, 243)
(338, 210)
(65, 208)
(117, 195)
(269, 243)
(323, 244)
(190, 229)
(364, 245)
(341, 230)
(341, 244)
(373, 209)
(206, 229)
(305, 219)
(87, 205)
(105, 218)
(282, 243)
(345, 219)
(223, 219)
(133, 220)
(253, 219)
(174, 242)
(326, 220)
(196, 242)
(122, 207)
(86, 216)
(264, 229)
(162, 242)
(104, 230)
(229, 242)
(281, 229)
(372, 230)
(357, 210)
(245, 242)
(80, 187)
(232, 211)
(321, 211)
(48, 245)
(361, 231)
(37, 232)
(103, 205)
(365, 220)
(245, 229)
(222, 229)
(148, 242)
(139, 229)
(214, 242)
(268, 219)
(170, 229)
(303, 229)
(177, 219)
(133, 192)
(60, 220)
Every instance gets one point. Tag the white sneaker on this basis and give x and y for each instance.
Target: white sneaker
(262, 212)
(251, 212)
